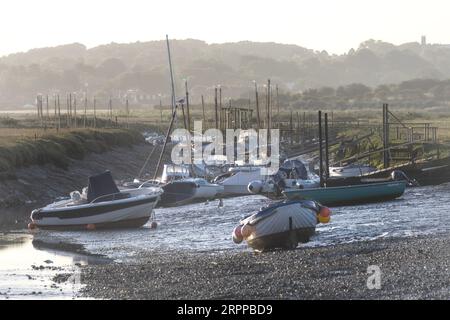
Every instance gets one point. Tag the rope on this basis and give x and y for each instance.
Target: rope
(146, 161)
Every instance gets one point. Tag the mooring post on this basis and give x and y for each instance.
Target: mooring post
(258, 118)
(95, 112)
(320, 150)
(85, 111)
(203, 112)
(327, 150)
(216, 108)
(188, 114)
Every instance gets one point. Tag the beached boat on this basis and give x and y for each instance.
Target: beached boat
(101, 205)
(281, 225)
(349, 195)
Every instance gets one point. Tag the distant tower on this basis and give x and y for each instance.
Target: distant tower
(423, 42)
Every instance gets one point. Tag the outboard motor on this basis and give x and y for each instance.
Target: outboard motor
(398, 175)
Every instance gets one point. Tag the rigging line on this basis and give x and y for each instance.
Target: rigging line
(146, 161)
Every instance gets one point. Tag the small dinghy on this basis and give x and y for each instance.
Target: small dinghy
(281, 225)
(101, 205)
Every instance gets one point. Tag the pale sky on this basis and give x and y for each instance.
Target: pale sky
(332, 25)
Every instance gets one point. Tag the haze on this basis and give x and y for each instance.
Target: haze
(335, 26)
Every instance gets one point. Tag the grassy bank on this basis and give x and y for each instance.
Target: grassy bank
(25, 147)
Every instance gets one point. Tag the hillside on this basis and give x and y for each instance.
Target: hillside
(141, 68)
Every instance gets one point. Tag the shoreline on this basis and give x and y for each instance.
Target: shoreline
(411, 268)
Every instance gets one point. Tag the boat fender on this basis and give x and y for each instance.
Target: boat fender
(90, 226)
(237, 235)
(255, 187)
(324, 215)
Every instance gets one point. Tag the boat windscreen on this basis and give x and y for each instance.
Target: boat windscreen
(101, 185)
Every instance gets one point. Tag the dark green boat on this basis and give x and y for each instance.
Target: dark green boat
(350, 195)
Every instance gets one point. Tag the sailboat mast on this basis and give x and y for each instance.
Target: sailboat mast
(171, 74)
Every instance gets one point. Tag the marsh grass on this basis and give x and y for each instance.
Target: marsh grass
(25, 147)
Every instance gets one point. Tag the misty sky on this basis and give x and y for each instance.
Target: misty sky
(332, 25)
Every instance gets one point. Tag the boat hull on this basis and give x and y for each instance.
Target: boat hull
(282, 240)
(350, 195)
(282, 225)
(116, 214)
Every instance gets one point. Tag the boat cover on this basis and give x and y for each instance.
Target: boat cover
(290, 169)
(270, 210)
(101, 185)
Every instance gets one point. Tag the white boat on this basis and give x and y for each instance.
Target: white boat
(100, 205)
(353, 170)
(291, 175)
(235, 181)
(281, 225)
(180, 187)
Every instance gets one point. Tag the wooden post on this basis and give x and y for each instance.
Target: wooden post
(268, 105)
(258, 118)
(220, 107)
(110, 112)
(70, 109)
(85, 111)
(386, 163)
(48, 114)
(327, 150)
(203, 112)
(59, 114)
(320, 150)
(128, 112)
(216, 107)
(160, 109)
(291, 128)
(187, 107)
(75, 110)
(278, 108)
(95, 112)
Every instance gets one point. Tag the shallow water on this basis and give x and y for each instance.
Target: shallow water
(28, 262)
(206, 227)
(27, 270)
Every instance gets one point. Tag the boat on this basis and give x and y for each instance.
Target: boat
(352, 170)
(291, 175)
(281, 225)
(350, 195)
(235, 181)
(424, 172)
(180, 188)
(100, 205)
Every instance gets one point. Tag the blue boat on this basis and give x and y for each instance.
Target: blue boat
(350, 195)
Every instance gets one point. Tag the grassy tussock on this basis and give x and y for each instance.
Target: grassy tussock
(59, 149)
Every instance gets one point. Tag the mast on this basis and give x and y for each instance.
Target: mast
(171, 74)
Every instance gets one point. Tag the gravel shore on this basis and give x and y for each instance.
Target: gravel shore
(411, 268)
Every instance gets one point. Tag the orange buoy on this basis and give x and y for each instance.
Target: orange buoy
(153, 225)
(90, 226)
(325, 212)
